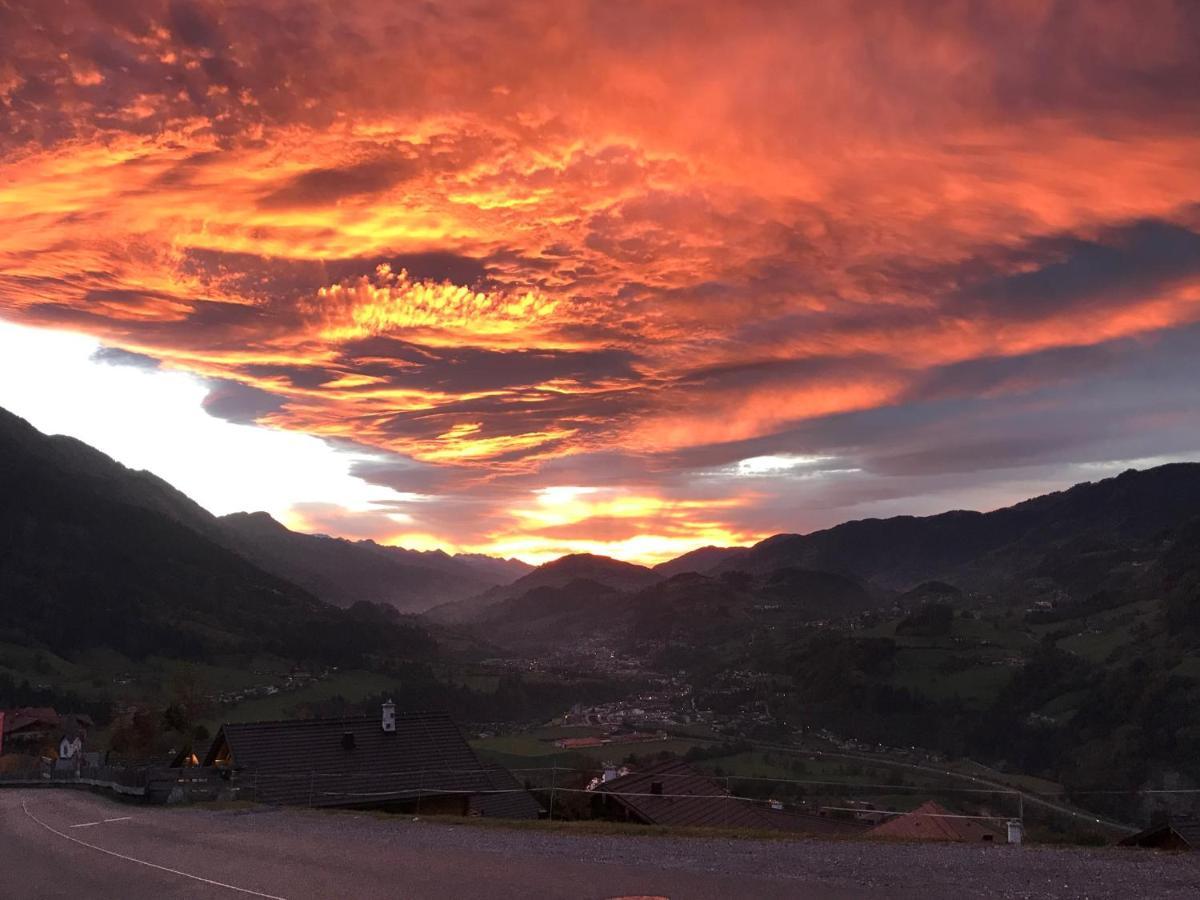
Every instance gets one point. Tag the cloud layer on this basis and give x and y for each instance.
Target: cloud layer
(565, 267)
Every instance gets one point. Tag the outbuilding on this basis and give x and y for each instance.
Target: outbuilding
(1182, 833)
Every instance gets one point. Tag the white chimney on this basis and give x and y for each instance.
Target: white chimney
(1016, 831)
(389, 716)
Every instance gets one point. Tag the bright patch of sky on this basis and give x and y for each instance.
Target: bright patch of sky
(152, 419)
(778, 465)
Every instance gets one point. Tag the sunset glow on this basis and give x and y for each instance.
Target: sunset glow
(529, 278)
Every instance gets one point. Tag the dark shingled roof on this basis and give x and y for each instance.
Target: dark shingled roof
(353, 761)
(514, 803)
(1178, 834)
(706, 803)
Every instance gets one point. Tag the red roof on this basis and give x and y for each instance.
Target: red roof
(572, 743)
(933, 822)
(26, 716)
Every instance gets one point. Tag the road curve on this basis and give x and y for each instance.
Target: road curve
(70, 844)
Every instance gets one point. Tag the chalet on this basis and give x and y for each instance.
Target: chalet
(675, 794)
(400, 761)
(1174, 834)
(38, 729)
(192, 754)
(933, 822)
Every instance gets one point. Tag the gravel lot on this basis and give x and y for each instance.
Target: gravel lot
(58, 844)
(917, 869)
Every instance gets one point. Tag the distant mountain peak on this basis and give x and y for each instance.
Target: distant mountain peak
(257, 521)
(589, 560)
(702, 559)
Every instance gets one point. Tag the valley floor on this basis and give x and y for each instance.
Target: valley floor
(60, 843)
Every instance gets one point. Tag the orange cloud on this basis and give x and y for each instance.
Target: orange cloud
(685, 228)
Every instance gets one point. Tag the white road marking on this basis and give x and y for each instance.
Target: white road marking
(142, 862)
(102, 822)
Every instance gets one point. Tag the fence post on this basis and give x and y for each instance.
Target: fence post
(553, 784)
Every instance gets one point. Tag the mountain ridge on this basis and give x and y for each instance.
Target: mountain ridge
(97, 558)
(408, 580)
(900, 552)
(342, 571)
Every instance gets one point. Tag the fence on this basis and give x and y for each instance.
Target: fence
(152, 783)
(576, 792)
(559, 789)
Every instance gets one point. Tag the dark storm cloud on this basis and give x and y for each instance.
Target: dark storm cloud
(408, 476)
(115, 356)
(990, 375)
(1042, 407)
(321, 187)
(279, 278)
(1127, 262)
(193, 25)
(471, 369)
(239, 403)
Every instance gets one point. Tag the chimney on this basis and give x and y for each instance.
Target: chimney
(1016, 831)
(389, 716)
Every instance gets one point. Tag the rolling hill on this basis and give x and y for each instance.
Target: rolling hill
(614, 574)
(703, 559)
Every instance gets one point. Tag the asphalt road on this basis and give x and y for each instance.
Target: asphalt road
(71, 844)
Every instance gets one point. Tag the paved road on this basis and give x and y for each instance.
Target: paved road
(70, 844)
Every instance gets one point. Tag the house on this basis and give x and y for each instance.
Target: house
(29, 729)
(673, 793)
(1182, 833)
(933, 822)
(191, 755)
(400, 761)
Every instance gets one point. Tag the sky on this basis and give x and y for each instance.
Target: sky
(533, 278)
